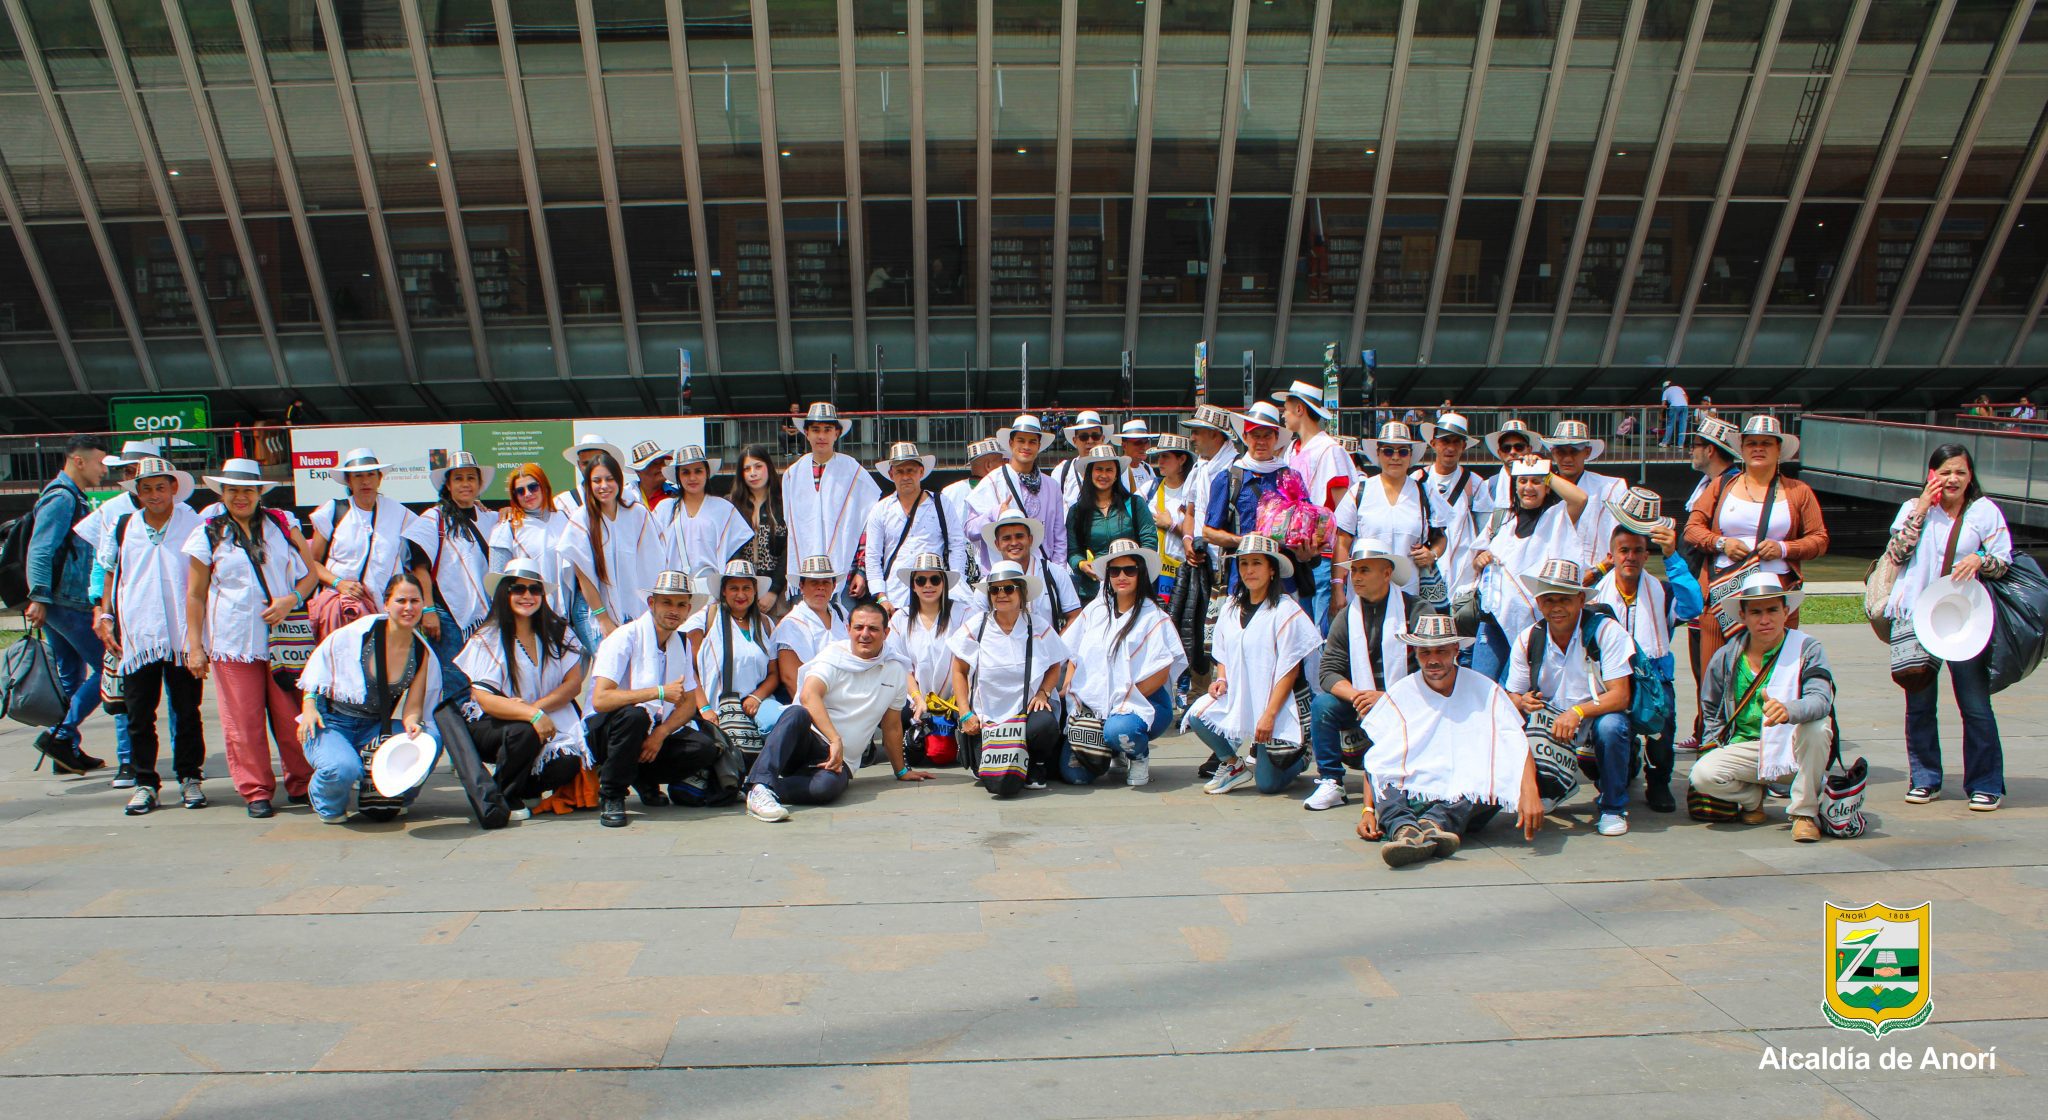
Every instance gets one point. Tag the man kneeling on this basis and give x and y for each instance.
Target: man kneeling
(1447, 753)
(1765, 701)
(844, 694)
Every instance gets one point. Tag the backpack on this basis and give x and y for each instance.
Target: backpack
(1288, 516)
(1648, 709)
(15, 537)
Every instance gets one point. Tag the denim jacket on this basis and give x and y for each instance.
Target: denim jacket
(54, 549)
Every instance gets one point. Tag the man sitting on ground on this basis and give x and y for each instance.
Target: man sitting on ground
(1585, 691)
(1362, 657)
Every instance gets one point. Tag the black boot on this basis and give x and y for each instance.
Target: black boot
(611, 812)
(1658, 794)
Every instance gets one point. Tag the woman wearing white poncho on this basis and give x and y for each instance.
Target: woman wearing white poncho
(524, 670)
(737, 622)
(354, 683)
(1127, 655)
(1448, 751)
(698, 529)
(1255, 717)
(1541, 524)
(615, 549)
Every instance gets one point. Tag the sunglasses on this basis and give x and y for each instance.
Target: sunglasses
(1397, 450)
(529, 488)
(1514, 448)
(927, 581)
(526, 589)
(1123, 570)
(1006, 589)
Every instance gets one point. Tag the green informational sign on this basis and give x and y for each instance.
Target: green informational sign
(505, 446)
(154, 415)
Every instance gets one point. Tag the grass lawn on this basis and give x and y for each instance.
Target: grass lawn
(1820, 610)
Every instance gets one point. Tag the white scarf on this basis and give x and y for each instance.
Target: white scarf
(805, 633)
(1393, 651)
(632, 558)
(825, 513)
(456, 562)
(151, 593)
(1467, 745)
(1647, 621)
(1775, 759)
(1107, 679)
(749, 655)
(483, 659)
(1281, 636)
(336, 668)
(714, 535)
(648, 663)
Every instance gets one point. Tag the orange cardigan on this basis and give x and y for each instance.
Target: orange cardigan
(1807, 541)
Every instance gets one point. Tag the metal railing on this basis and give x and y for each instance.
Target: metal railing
(1882, 459)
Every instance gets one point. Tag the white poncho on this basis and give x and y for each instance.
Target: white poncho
(483, 658)
(1280, 637)
(150, 599)
(1466, 745)
(826, 514)
(336, 668)
(1105, 678)
(715, 534)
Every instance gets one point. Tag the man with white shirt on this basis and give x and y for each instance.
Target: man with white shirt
(1583, 691)
(849, 692)
(1210, 429)
(1018, 486)
(826, 496)
(644, 683)
(94, 529)
(1325, 469)
(1014, 537)
(1362, 658)
(1674, 415)
(1462, 495)
(1137, 440)
(1572, 446)
(909, 521)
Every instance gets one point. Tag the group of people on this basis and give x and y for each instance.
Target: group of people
(1469, 643)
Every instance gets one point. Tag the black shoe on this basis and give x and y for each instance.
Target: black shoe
(65, 757)
(124, 778)
(305, 798)
(611, 812)
(1658, 794)
(652, 797)
(260, 809)
(1207, 770)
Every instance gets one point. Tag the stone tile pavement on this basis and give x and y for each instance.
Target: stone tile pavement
(930, 952)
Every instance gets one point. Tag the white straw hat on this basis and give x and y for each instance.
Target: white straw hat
(1009, 571)
(402, 762)
(825, 412)
(1952, 618)
(1123, 548)
(1764, 424)
(362, 460)
(461, 460)
(160, 468)
(1310, 396)
(905, 453)
(519, 567)
(239, 472)
(1037, 527)
(1556, 577)
(1367, 548)
(1252, 544)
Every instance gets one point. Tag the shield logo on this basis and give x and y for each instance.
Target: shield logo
(1877, 967)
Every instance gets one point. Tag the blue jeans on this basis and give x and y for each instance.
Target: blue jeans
(1490, 652)
(1127, 735)
(1983, 756)
(1320, 573)
(78, 652)
(1674, 425)
(1329, 719)
(580, 621)
(1614, 758)
(454, 682)
(336, 755)
(1270, 778)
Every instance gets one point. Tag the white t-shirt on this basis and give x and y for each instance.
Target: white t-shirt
(630, 658)
(1674, 394)
(997, 668)
(1983, 527)
(1565, 678)
(858, 693)
(1738, 519)
(1321, 462)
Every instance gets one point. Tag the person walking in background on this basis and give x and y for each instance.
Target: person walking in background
(1675, 407)
(59, 576)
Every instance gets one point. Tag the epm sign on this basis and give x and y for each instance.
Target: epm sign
(158, 414)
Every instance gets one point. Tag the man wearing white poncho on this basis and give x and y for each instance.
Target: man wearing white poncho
(1447, 753)
(146, 597)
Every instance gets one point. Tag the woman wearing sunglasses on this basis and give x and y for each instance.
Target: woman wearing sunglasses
(924, 630)
(1255, 717)
(527, 528)
(1396, 509)
(1127, 656)
(1006, 666)
(525, 670)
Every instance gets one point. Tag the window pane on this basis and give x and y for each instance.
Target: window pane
(818, 269)
(1445, 31)
(1252, 264)
(583, 261)
(1195, 31)
(563, 148)
(1027, 31)
(1408, 240)
(1187, 120)
(105, 136)
(811, 133)
(1812, 253)
(881, 33)
(1279, 32)
(1705, 125)
(742, 277)
(217, 40)
(1891, 33)
(1098, 233)
(1734, 29)
(646, 136)
(319, 144)
(239, 118)
(76, 275)
(477, 117)
(1020, 253)
(1505, 133)
(21, 308)
(1333, 250)
(949, 230)
(949, 131)
(2002, 139)
(1432, 109)
(1580, 104)
(427, 272)
(803, 35)
(1777, 136)
(1738, 257)
(546, 33)
(659, 259)
(281, 269)
(1854, 133)
(1105, 128)
(728, 133)
(1268, 129)
(462, 35)
(1350, 109)
(891, 256)
(1486, 231)
(178, 142)
(507, 269)
(69, 40)
(1668, 254)
(884, 131)
(229, 299)
(146, 37)
(1931, 135)
(1026, 119)
(719, 33)
(1813, 31)
(1109, 31)
(33, 163)
(1543, 254)
(948, 31)
(150, 269)
(2021, 262)
(1875, 272)
(348, 262)
(1953, 257)
(1177, 239)
(1637, 123)
(395, 128)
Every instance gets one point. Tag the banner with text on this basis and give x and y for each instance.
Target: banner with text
(409, 451)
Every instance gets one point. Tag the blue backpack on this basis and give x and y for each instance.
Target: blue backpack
(1648, 708)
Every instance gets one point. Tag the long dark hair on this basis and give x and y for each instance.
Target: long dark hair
(770, 514)
(1137, 608)
(459, 522)
(550, 631)
(1246, 606)
(1526, 518)
(1081, 518)
(1948, 451)
(593, 512)
(945, 606)
(754, 616)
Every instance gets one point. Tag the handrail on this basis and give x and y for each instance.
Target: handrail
(1831, 417)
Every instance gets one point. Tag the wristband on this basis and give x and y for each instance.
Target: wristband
(900, 773)
(1579, 711)
(301, 598)
(534, 719)
(967, 715)
(598, 611)
(661, 694)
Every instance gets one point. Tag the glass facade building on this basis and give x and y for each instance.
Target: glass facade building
(404, 209)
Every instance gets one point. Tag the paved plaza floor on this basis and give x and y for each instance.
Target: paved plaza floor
(928, 951)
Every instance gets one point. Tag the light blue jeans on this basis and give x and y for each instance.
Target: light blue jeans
(454, 682)
(1270, 778)
(1127, 735)
(336, 755)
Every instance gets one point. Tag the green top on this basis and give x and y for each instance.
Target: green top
(1130, 519)
(1748, 724)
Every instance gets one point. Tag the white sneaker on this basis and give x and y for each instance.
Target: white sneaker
(520, 814)
(338, 818)
(1612, 824)
(1328, 794)
(763, 805)
(1229, 776)
(1549, 805)
(1140, 773)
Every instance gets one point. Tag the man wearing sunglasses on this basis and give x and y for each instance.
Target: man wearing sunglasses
(1086, 432)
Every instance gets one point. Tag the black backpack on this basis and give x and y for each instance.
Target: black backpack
(14, 545)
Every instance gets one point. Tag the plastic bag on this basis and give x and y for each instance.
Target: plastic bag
(2019, 625)
(1288, 516)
